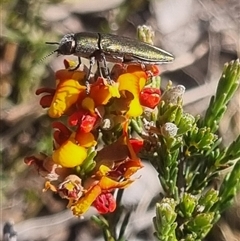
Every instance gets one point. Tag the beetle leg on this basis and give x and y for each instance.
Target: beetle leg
(99, 69)
(99, 56)
(106, 70)
(91, 63)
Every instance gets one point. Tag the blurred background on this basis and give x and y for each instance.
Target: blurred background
(201, 34)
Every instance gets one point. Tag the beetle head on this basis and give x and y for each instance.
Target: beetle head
(66, 45)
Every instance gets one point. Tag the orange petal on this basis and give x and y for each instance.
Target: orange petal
(88, 104)
(107, 183)
(101, 92)
(85, 139)
(103, 170)
(131, 167)
(69, 64)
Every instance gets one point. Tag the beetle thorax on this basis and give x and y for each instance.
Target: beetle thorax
(67, 45)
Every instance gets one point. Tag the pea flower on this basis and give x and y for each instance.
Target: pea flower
(66, 94)
(70, 150)
(78, 169)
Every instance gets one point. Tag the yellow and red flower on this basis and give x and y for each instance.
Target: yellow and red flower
(70, 148)
(68, 90)
(87, 113)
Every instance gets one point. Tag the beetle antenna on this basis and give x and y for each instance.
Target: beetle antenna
(43, 58)
(52, 43)
(54, 51)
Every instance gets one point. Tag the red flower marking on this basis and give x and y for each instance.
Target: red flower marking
(105, 203)
(150, 97)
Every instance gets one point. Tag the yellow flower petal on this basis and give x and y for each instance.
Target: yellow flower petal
(114, 90)
(103, 170)
(86, 201)
(66, 94)
(133, 84)
(69, 154)
(135, 108)
(90, 196)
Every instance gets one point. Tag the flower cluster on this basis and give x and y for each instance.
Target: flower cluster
(93, 151)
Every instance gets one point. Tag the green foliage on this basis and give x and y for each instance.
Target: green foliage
(188, 158)
(228, 84)
(164, 221)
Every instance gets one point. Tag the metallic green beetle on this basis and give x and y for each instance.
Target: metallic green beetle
(112, 48)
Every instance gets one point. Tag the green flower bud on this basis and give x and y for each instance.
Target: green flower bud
(207, 200)
(145, 34)
(89, 163)
(164, 221)
(206, 141)
(186, 123)
(201, 224)
(166, 211)
(187, 205)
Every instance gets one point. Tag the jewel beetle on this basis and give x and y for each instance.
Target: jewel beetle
(111, 48)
